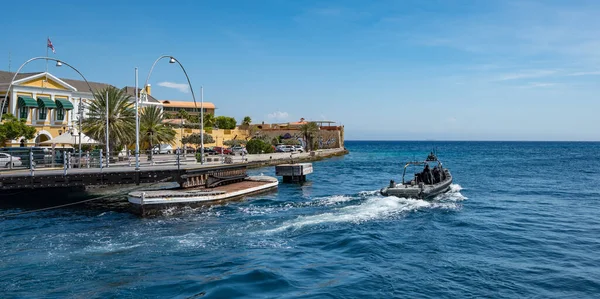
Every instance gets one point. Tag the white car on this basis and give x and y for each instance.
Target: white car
(298, 148)
(163, 149)
(239, 150)
(6, 159)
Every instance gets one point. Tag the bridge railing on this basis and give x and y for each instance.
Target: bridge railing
(37, 158)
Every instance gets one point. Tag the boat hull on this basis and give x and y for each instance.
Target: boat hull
(147, 203)
(416, 191)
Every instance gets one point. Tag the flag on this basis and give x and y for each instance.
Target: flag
(51, 46)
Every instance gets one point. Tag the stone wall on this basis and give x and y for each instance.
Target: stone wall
(325, 138)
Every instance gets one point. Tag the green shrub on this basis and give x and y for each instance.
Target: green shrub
(225, 122)
(257, 146)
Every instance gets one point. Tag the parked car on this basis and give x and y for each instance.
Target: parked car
(298, 148)
(210, 151)
(222, 150)
(238, 150)
(189, 149)
(282, 148)
(6, 160)
(163, 149)
(23, 153)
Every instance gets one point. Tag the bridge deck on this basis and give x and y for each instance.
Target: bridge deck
(185, 175)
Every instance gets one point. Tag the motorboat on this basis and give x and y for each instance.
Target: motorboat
(151, 202)
(422, 184)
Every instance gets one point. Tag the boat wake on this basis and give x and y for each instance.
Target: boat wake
(370, 206)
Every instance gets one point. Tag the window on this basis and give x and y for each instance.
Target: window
(24, 111)
(42, 113)
(5, 105)
(60, 114)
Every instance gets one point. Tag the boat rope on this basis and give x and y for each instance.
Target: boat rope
(80, 202)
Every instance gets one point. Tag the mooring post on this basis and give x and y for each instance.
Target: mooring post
(87, 157)
(11, 162)
(31, 166)
(178, 163)
(69, 161)
(65, 165)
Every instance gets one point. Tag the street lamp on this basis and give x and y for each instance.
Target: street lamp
(174, 60)
(59, 63)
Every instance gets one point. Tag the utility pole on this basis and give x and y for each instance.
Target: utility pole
(107, 148)
(137, 124)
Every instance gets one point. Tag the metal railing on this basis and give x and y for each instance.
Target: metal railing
(37, 158)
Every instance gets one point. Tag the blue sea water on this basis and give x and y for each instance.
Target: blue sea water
(522, 220)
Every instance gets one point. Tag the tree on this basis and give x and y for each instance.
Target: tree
(121, 117)
(257, 146)
(183, 114)
(225, 122)
(234, 142)
(153, 130)
(195, 139)
(209, 120)
(247, 120)
(12, 128)
(309, 131)
(291, 141)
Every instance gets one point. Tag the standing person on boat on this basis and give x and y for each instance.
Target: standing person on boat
(427, 178)
(436, 175)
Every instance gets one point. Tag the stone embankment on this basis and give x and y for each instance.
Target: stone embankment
(272, 159)
(255, 161)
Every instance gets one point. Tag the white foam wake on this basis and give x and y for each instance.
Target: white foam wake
(371, 209)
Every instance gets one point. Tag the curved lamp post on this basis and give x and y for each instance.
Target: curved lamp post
(59, 63)
(173, 60)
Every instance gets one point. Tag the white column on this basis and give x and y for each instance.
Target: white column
(13, 101)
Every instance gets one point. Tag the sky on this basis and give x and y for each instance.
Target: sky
(385, 70)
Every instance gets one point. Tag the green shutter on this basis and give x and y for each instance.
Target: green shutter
(46, 103)
(24, 101)
(64, 104)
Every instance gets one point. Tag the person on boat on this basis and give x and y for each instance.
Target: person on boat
(427, 179)
(436, 175)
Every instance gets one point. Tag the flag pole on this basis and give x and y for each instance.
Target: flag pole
(47, 39)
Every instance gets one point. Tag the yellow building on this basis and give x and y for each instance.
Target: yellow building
(172, 107)
(48, 103)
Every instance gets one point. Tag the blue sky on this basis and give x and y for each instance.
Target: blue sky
(393, 70)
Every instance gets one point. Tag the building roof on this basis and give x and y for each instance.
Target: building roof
(186, 104)
(80, 85)
(6, 77)
(131, 91)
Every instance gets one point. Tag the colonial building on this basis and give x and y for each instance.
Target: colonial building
(172, 107)
(51, 104)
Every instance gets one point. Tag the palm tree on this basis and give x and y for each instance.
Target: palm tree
(209, 120)
(309, 130)
(153, 130)
(121, 117)
(247, 120)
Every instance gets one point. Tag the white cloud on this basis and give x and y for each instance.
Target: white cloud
(539, 85)
(585, 73)
(526, 74)
(278, 115)
(179, 86)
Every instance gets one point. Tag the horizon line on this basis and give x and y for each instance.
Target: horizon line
(465, 140)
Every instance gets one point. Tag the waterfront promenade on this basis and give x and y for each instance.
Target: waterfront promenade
(187, 172)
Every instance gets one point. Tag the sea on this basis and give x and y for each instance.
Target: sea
(522, 220)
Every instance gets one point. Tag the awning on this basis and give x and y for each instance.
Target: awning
(24, 101)
(64, 104)
(46, 103)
